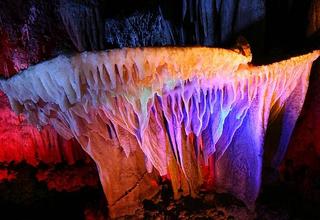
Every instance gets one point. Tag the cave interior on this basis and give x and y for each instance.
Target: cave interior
(160, 109)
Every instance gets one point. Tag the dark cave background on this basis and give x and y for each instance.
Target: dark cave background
(32, 31)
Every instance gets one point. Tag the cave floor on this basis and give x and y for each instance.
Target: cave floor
(294, 196)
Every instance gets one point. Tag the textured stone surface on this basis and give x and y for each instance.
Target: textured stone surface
(314, 18)
(167, 108)
(35, 30)
(22, 142)
(304, 149)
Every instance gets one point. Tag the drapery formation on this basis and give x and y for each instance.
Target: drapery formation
(196, 115)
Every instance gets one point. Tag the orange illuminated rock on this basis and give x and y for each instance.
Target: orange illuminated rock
(141, 113)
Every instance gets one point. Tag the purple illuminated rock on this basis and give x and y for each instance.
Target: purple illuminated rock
(141, 113)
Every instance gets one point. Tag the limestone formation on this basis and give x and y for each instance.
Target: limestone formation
(194, 115)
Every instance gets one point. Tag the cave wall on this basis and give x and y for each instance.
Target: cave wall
(34, 30)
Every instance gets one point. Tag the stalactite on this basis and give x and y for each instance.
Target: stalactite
(22, 142)
(174, 109)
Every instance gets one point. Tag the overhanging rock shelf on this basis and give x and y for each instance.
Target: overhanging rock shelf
(195, 115)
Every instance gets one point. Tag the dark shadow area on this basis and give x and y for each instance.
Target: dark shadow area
(36, 30)
(32, 31)
(295, 186)
(26, 198)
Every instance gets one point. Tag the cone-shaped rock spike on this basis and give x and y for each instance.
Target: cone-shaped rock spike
(141, 113)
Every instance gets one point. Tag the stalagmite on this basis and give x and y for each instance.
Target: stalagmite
(141, 113)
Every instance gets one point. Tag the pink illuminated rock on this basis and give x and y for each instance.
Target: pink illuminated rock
(141, 113)
(22, 142)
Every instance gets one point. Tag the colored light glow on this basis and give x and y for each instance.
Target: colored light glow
(22, 142)
(173, 109)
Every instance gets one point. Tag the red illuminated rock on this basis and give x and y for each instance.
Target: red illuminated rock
(170, 111)
(22, 142)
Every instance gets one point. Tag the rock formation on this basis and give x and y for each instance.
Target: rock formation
(180, 113)
(175, 112)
